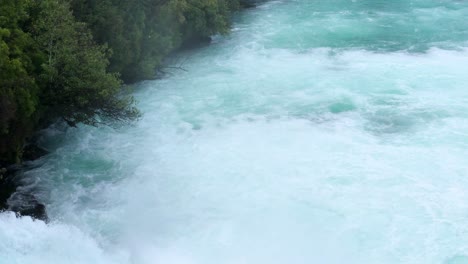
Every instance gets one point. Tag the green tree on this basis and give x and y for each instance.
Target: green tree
(18, 89)
(63, 59)
(141, 33)
(77, 86)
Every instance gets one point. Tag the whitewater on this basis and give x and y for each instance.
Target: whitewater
(318, 131)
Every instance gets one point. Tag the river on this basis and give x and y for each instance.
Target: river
(318, 131)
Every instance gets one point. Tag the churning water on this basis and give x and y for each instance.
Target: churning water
(319, 131)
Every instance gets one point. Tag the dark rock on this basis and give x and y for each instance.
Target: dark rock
(11, 199)
(7, 187)
(195, 42)
(247, 4)
(26, 204)
(33, 152)
(250, 3)
(36, 211)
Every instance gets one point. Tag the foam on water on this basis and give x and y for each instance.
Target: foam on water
(282, 143)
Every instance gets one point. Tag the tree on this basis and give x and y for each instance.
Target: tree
(77, 86)
(141, 33)
(63, 59)
(18, 89)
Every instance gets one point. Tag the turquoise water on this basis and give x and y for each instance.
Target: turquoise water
(317, 132)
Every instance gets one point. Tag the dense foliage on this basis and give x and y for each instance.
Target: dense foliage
(142, 32)
(63, 59)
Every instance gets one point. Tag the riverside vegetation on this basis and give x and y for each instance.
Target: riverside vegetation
(68, 60)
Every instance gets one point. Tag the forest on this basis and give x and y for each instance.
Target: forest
(70, 61)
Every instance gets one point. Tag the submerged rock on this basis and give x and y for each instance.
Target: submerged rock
(250, 3)
(31, 207)
(23, 204)
(7, 187)
(14, 195)
(33, 152)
